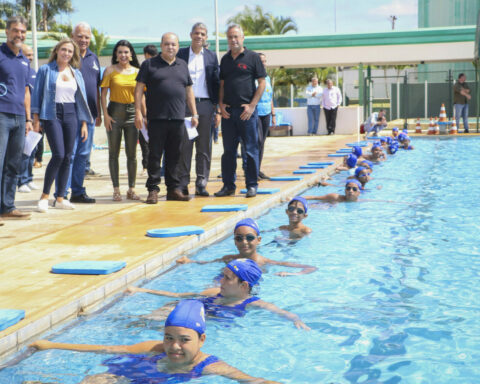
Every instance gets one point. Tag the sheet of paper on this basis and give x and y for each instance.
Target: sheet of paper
(192, 131)
(31, 141)
(144, 132)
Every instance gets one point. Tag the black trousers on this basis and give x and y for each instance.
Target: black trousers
(331, 118)
(164, 135)
(263, 126)
(144, 148)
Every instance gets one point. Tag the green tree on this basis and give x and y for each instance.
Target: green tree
(7, 9)
(51, 8)
(280, 25)
(252, 20)
(98, 42)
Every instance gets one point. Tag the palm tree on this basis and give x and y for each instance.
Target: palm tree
(253, 21)
(99, 42)
(280, 25)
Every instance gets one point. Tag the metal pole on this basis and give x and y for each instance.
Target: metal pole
(398, 99)
(291, 95)
(217, 38)
(426, 99)
(405, 100)
(450, 91)
(33, 12)
(335, 18)
(477, 78)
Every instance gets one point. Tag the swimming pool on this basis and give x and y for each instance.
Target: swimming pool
(394, 299)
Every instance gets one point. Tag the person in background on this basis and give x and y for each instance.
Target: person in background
(314, 100)
(203, 69)
(119, 116)
(372, 120)
(60, 101)
(15, 115)
(331, 100)
(149, 51)
(266, 116)
(461, 96)
(25, 178)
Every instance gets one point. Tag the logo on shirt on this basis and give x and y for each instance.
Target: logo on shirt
(25, 63)
(242, 66)
(95, 66)
(3, 89)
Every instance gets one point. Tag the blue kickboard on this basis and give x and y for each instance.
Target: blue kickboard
(312, 166)
(356, 144)
(345, 150)
(286, 178)
(88, 267)
(321, 163)
(337, 155)
(9, 317)
(224, 208)
(304, 171)
(175, 231)
(374, 138)
(263, 191)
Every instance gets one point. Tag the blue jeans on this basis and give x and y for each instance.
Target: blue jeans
(234, 129)
(313, 114)
(26, 168)
(12, 140)
(461, 110)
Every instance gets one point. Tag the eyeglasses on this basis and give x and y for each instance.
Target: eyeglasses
(354, 189)
(240, 238)
(300, 211)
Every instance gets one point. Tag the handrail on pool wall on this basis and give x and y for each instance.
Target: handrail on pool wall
(11, 343)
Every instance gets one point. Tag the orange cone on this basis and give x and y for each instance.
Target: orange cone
(443, 114)
(437, 128)
(431, 127)
(453, 128)
(418, 127)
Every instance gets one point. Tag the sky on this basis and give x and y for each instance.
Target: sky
(151, 18)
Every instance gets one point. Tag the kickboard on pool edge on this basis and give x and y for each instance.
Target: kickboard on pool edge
(9, 317)
(224, 208)
(304, 171)
(88, 267)
(175, 231)
(337, 155)
(321, 163)
(286, 178)
(263, 191)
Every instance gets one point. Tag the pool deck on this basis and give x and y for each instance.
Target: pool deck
(111, 230)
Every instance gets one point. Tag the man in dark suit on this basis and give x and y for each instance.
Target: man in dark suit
(203, 68)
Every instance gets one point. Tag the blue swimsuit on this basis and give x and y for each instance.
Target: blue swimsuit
(225, 311)
(142, 369)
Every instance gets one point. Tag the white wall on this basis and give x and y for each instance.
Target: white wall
(348, 120)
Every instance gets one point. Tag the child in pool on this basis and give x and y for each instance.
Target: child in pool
(352, 192)
(405, 143)
(394, 133)
(349, 162)
(377, 154)
(234, 294)
(296, 211)
(366, 164)
(178, 356)
(247, 238)
(362, 174)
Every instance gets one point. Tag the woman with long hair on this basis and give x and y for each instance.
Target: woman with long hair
(119, 116)
(60, 101)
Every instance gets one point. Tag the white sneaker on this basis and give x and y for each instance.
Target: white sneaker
(33, 186)
(42, 205)
(65, 204)
(24, 188)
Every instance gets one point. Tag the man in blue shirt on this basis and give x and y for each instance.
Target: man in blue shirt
(15, 118)
(90, 69)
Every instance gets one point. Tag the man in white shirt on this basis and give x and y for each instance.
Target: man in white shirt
(203, 69)
(331, 98)
(314, 101)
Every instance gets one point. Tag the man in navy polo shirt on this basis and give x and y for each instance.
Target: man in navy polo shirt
(238, 100)
(90, 69)
(15, 118)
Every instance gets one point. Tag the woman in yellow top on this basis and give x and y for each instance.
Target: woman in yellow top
(119, 78)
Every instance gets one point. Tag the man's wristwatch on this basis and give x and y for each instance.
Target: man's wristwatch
(29, 121)
(195, 116)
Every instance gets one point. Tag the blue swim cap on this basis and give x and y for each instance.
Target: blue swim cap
(351, 160)
(301, 200)
(246, 269)
(248, 223)
(188, 314)
(368, 162)
(354, 181)
(401, 137)
(383, 140)
(405, 130)
(395, 129)
(407, 138)
(358, 170)
(393, 148)
(357, 151)
(376, 146)
(389, 140)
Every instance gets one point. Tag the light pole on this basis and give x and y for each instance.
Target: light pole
(217, 39)
(33, 12)
(393, 18)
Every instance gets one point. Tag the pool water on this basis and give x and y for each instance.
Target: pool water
(394, 299)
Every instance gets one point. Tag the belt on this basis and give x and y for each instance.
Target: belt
(199, 99)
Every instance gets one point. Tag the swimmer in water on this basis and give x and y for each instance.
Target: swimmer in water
(349, 162)
(362, 174)
(296, 211)
(405, 143)
(377, 154)
(247, 238)
(233, 296)
(178, 357)
(352, 192)
(366, 163)
(394, 132)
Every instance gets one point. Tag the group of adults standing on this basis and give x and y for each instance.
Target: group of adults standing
(154, 97)
(330, 98)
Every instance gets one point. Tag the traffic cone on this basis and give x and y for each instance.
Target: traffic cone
(418, 127)
(437, 128)
(443, 114)
(453, 128)
(431, 127)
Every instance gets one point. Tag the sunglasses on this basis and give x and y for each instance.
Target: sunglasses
(240, 238)
(354, 189)
(300, 211)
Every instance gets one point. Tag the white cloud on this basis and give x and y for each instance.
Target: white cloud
(397, 8)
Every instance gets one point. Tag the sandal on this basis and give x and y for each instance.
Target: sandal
(117, 196)
(131, 195)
